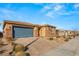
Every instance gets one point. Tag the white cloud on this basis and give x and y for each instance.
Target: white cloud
(47, 7)
(61, 13)
(58, 10)
(51, 9)
(58, 7)
(8, 14)
(49, 14)
(55, 10)
(76, 5)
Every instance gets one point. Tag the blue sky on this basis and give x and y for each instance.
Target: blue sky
(61, 15)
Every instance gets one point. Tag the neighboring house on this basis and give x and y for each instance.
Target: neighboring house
(67, 33)
(61, 32)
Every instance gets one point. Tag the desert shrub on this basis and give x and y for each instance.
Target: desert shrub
(26, 48)
(27, 54)
(1, 34)
(20, 53)
(50, 38)
(66, 39)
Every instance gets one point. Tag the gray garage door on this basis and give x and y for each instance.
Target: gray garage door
(22, 32)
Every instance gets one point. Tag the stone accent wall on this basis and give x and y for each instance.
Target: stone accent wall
(7, 33)
(54, 33)
(35, 32)
(42, 32)
(47, 32)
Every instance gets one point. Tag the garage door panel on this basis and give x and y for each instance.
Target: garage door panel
(21, 32)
